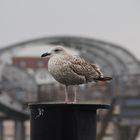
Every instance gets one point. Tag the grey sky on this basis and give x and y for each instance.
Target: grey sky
(117, 21)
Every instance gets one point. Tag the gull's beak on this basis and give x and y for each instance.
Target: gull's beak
(45, 54)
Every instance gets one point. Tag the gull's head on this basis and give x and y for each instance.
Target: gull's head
(55, 51)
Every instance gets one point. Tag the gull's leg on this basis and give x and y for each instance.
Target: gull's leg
(66, 94)
(75, 92)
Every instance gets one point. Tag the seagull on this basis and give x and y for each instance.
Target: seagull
(70, 69)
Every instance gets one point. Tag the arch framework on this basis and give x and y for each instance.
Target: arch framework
(114, 59)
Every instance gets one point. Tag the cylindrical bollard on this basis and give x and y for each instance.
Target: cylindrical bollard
(64, 121)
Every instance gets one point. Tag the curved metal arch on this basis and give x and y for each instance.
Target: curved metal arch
(115, 50)
(128, 59)
(111, 45)
(86, 41)
(49, 41)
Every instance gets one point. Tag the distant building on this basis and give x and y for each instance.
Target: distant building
(32, 62)
(35, 66)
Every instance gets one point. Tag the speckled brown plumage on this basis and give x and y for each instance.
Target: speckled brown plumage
(72, 70)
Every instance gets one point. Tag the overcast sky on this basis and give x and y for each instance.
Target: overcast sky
(116, 21)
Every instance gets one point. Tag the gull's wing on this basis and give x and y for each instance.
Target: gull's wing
(83, 68)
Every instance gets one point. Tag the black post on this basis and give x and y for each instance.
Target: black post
(64, 121)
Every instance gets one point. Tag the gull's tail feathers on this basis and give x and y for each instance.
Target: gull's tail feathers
(104, 79)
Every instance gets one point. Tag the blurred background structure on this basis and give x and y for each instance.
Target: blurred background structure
(76, 25)
(24, 79)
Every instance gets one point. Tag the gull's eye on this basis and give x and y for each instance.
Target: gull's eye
(57, 50)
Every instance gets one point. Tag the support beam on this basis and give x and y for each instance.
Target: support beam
(19, 130)
(125, 132)
(1, 130)
(106, 121)
(134, 132)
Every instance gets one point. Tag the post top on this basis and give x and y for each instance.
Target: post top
(59, 105)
